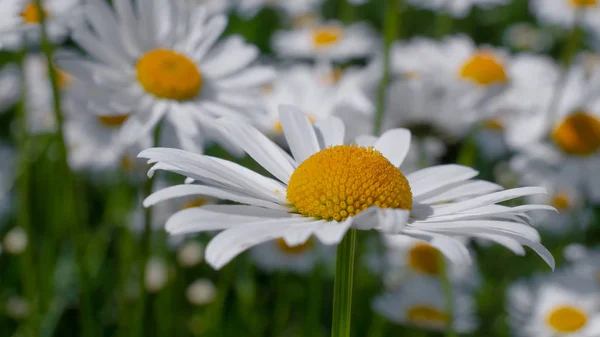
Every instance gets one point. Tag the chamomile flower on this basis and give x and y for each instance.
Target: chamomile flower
(560, 304)
(277, 255)
(10, 87)
(292, 8)
(329, 41)
(327, 188)
(456, 8)
(407, 258)
(319, 92)
(161, 61)
(444, 85)
(421, 303)
(22, 21)
(566, 13)
(563, 139)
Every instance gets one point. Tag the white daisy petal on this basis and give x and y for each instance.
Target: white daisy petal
(298, 132)
(430, 179)
(332, 234)
(394, 145)
(459, 190)
(332, 131)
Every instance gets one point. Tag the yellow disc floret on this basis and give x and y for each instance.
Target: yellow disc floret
(326, 36)
(283, 247)
(31, 14)
(566, 319)
(168, 74)
(584, 3)
(342, 181)
(426, 315)
(484, 69)
(426, 259)
(578, 134)
(112, 121)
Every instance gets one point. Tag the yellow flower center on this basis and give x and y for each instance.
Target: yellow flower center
(561, 202)
(484, 69)
(578, 134)
(341, 181)
(293, 250)
(326, 36)
(63, 78)
(127, 162)
(195, 203)
(566, 319)
(112, 121)
(493, 125)
(168, 74)
(425, 258)
(333, 77)
(584, 3)
(31, 14)
(426, 315)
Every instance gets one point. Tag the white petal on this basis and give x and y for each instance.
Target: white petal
(488, 199)
(299, 132)
(259, 147)
(392, 221)
(454, 250)
(332, 233)
(366, 140)
(331, 130)
(432, 178)
(459, 190)
(231, 242)
(178, 191)
(509, 243)
(394, 145)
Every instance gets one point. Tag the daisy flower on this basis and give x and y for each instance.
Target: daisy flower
(444, 85)
(560, 304)
(319, 92)
(10, 86)
(22, 21)
(292, 8)
(563, 139)
(566, 13)
(162, 61)
(406, 258)
(329, 41)
(327, 187)
(421, 303)
(456, 8)
(277, 255)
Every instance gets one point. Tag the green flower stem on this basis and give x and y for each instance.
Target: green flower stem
(342, 290)
(313, 314)
(347, 11)
(443, 24)
(75, 217)
(28, 264)
(146, 244)
(390, 31)
(449, 298)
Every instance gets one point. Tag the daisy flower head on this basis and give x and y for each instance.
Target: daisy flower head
(329, 41)
(566, 13)
(421, 303)
(10, 86)
(456, 8)
(407, 258)
(162, 61)
(319, 92)
(327, 187)
(21, 21)
(560, 304)
(277, 255)
(292, 8)
(564, 138)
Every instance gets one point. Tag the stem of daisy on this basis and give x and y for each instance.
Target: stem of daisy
(146, 245)
(342, 289)
(347, 11)
(449, 298)
(443, 24)
(390, 31)
(23, 220)
(313, 312)
(75, 218)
